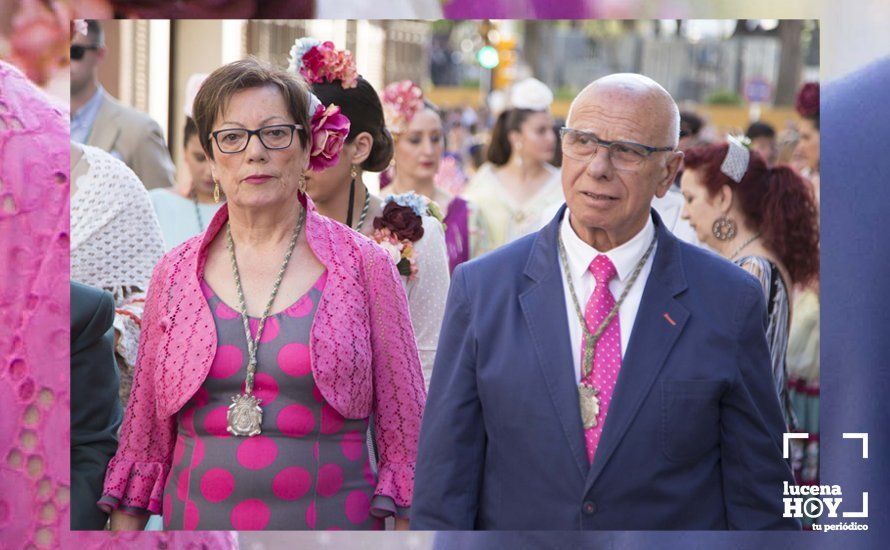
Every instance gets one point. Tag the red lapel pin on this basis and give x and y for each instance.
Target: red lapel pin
(669, 320)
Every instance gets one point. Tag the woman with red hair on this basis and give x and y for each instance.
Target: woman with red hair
(764, 220)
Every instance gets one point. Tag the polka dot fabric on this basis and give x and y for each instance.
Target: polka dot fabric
(298, 463)
(607, 360)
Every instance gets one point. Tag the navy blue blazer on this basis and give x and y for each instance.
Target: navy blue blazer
(855, 292)
(693, 438)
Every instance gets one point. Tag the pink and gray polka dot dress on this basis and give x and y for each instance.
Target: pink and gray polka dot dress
(309, 469)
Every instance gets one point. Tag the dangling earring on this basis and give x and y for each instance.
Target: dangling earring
(519, 154)
(215, 191)
(353, 173)
(724, 229)
(301, 185)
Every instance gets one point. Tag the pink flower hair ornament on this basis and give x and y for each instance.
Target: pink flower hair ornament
(401, 101)
(328, 132)
(320, 62)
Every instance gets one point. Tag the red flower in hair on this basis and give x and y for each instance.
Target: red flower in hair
(314, 64)
(807, 103)
(320, 62)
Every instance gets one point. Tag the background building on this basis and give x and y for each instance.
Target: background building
(731, 72)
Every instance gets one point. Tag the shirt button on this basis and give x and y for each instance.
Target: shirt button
(589, 507)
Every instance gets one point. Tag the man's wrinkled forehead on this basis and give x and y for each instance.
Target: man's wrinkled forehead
(632, 111)
(632, 118)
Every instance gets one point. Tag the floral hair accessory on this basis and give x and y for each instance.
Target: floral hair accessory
(401, 101)
(321, 62)
(807, 102)
(418, 203)
(328, 132)
(737, 158)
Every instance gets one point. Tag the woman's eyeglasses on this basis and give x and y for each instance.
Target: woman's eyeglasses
(235, 140)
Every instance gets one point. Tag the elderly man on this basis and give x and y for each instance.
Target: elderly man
(601, 373)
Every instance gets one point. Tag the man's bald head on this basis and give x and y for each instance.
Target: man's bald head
(654, 105)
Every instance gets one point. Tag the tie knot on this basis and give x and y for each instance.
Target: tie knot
(603, 269)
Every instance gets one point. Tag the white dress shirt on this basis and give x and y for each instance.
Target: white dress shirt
(625, 257)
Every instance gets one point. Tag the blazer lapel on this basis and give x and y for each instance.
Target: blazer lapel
(104, 132)
(543, 306)
(651, 340)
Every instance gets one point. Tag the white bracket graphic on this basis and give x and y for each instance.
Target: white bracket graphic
(864, 438)
(864, 512)
(786, 437)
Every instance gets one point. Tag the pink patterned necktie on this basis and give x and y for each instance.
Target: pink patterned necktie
(607, 360)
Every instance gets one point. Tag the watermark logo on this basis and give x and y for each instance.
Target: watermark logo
(823, 501)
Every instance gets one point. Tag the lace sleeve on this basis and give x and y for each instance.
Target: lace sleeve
(399, 392)
(428, 291)
(134, 480)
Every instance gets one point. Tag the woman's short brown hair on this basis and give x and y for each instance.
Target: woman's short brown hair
(216, 91)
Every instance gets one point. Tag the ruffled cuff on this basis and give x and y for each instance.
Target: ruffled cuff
(396, 481)
(134, 487)
(382, 506)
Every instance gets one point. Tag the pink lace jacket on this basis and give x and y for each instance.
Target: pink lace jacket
(364, 359)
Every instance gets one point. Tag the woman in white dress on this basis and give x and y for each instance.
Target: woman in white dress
(518, 183)
(115, 243)
(340, 194)
(184, 217)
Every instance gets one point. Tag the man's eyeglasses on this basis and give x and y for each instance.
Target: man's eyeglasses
(79, 50)
(235, 140)
(624, 155)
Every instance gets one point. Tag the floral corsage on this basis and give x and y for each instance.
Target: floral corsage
(401, 225)
(321, 62)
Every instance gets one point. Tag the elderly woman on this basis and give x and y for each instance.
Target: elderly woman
(763, 219)
(405, 224)
(269, 340)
